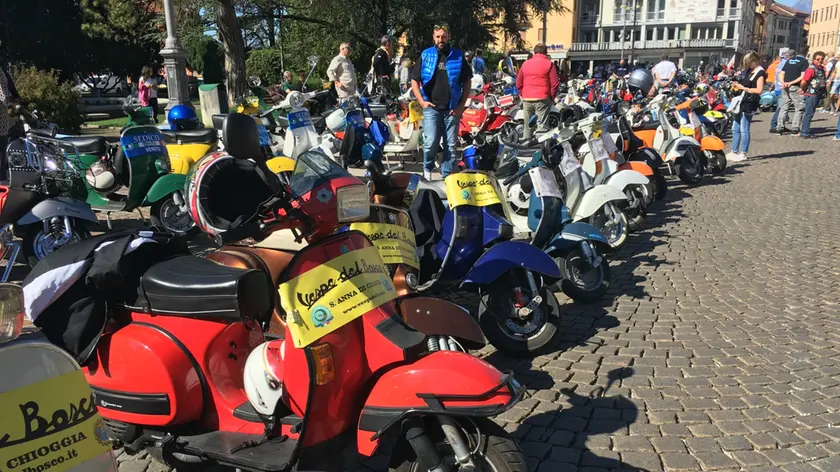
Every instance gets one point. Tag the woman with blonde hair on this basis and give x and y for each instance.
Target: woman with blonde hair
(751, 84)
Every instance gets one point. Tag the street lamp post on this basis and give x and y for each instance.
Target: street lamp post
(174, 61)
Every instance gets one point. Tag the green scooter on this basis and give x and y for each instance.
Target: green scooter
(133, 174)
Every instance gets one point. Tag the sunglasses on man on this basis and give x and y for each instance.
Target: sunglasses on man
(442, 27)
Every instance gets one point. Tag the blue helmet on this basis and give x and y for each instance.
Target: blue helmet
(182, 117)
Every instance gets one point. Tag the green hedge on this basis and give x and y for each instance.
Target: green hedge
(57, 101)
(265, 64)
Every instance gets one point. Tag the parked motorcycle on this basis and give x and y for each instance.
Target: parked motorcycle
(43, 203)
(347, 367)
(42, 383)
(466, 243)
(134, 174)
(682, 153)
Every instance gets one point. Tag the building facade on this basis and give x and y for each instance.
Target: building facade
(824, 30)
(785, 29)
(688, 31)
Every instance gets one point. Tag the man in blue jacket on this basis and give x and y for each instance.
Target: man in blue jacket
(441, 83)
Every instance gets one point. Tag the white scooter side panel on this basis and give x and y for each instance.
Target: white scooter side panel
(38, 374)
(676, 148)
(595, 198)
(623, 178)
(301, 135)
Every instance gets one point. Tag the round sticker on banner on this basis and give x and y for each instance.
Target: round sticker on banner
(100, 434)
(344, 249)
(465, 194)
(321, 316)
(392, 218)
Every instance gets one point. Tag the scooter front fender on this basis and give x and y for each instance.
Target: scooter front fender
(711, 143)
(595, 198)
(623, 178)
(637, 166)
(573, 234)
(511, 255)
(164, 186)
(436, 317)
(59, 206)
(441, 383)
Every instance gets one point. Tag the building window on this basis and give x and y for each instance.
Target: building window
(649, 34)
(780, 39)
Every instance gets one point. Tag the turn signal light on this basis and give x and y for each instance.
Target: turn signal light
(324, 364)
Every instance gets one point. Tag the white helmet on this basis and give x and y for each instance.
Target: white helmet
(101, 177)
(264, 376)
(335, 120)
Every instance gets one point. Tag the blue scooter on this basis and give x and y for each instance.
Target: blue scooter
(464, 242)
(577, 248)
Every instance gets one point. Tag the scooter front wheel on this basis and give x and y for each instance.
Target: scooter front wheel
(493, 449)
(500, 320)
(636, 209)
(37, 244)
(717, 160)
(613, 223)
(581, 281)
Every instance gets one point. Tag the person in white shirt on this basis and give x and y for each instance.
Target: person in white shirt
(664, 73)
(342, 73)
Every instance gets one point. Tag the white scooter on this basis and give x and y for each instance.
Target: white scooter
(46, 406)
(595, 159)
(682, 153)
(597, 204)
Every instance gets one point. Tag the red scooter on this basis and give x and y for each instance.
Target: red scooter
(477, 124)
(192, 379)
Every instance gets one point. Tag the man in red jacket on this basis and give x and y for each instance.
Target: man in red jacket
(537, 83)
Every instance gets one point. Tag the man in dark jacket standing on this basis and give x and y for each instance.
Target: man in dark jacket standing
(441, 83)
(537, 83)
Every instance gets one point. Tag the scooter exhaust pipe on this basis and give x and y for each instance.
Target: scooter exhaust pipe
(422, 444)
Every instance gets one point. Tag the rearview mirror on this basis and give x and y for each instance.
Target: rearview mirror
(11, 312)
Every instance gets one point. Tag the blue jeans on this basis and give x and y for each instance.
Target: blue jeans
(741, 132)
(435, 123)
(837, 134)
(811, 102)
(775, 120)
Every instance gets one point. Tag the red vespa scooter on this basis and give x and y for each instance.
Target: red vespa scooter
(191, 379)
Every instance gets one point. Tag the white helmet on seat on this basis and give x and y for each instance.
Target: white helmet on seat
(264, 376)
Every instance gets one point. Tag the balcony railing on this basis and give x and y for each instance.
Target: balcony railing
(734, 11)
(654, 44)
(624, 16)
(720, 13)
(655, 16)
(589, 18)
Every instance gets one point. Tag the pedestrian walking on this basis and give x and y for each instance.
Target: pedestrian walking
(751, 86)
(440, 82)
(405, 75)
(382, 66)
(813, 88)
(776, 74)
(833, 83)
(7, 97)
(537, 83)
(664, 73)
(478, 64)
(342, 73)
(147, 90)
(791, 77)
(507, 66)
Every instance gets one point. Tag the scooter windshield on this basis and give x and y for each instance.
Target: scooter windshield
(312, 169)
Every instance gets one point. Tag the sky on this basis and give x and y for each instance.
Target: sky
(797, 4)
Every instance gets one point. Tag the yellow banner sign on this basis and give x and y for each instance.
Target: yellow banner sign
(471, 188)
(52, 424)
(396, 244)
(333, 294)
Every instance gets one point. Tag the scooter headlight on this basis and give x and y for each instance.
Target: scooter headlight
(353, 203)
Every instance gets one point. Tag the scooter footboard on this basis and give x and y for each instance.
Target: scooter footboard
(442, 383)
(511, 255)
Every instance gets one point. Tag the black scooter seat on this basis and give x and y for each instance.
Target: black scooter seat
(191, 136)
(194, 287)
(97, 145)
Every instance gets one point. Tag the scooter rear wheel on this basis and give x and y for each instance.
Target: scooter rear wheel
(498, 451)
(509, 333)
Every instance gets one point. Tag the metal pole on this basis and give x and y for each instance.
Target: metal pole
(623, 25)
(174, 61)
(632, 33)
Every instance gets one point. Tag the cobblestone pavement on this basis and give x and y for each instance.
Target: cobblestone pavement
(716, 348)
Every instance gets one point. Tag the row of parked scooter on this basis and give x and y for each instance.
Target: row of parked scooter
(267, 359)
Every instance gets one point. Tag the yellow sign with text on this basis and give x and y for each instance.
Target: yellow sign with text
(471, 188)
(396, 244)
(325, 298)
(50, 425)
